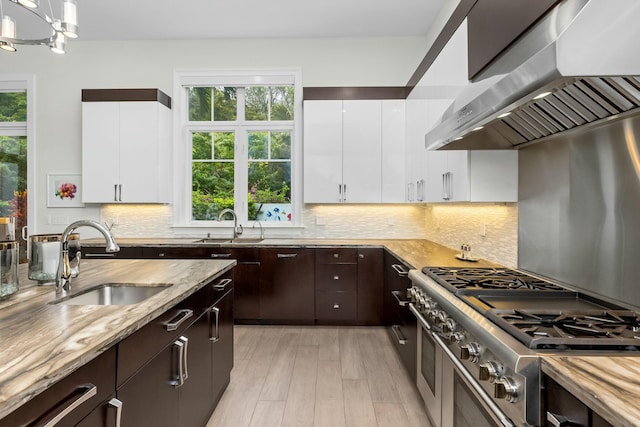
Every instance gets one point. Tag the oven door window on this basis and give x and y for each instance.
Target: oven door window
(467, 410)
(428, 368)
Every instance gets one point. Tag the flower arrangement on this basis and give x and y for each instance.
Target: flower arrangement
(66, 190)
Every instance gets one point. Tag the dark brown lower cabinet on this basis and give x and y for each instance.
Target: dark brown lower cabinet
(402, 325)
(287, 286)
(568, 409)
(222, 342)
(370, 286)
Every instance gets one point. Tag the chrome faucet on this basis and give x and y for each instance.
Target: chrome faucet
(65, 271)
(237, 229)
(261, 230)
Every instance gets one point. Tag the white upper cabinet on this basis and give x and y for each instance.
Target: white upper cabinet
(393, 151)
(472, 176)
(344, 146)
(126, 147)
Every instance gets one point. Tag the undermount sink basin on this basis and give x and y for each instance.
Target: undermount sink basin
(247, 240)
(212, 240)
(115, 294)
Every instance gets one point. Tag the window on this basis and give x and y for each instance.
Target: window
(13, 152)
(238, 135)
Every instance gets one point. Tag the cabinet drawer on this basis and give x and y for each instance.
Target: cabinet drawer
(168, 252)
(340, 277)
(336, 305)
(100, 373)
(139, 347)
(337, 256)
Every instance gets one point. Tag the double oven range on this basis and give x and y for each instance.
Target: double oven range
(481, 333)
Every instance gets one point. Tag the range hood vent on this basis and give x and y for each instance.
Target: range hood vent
(514, 110)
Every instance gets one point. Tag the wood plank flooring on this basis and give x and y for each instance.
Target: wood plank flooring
(317, 376)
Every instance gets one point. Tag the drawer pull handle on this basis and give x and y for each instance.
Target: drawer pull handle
(86, 391)
(336, 306)
(178, 363)
(113, 255)
(222, 284)
(117, 405)
(287, 255)
(162, 254)
(224, 255)
(402, 272)
(336, 255)
(180, 317)
(560, 420)
(396, 331)
(336, 277)
(401, 303)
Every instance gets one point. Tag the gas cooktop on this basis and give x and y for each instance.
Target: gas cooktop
(460, 280)
(540, 314)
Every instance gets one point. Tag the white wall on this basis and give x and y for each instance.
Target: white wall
(138, 64)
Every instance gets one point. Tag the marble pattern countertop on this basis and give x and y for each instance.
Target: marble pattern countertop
(609, 385)
(44, 342)
(417, 253)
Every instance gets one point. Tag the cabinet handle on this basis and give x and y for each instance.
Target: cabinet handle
(344, 192)
(216, 337)
(222, 284)
(287, 255)
(420, 190)
(86, 391)
(402, 272)
(336, 255)
(161, 254)
(182, 315)
(361, 256)
(396, 331)
(410, 192)
(447, 179)
(336, 277)
(119, 192)
(339, 192)
(401, 303)
(115, 192)
(224, 255)
(117, 405)
(560, 421)
(178, 378)
(100, 255)
(185, 359)
(336, 306)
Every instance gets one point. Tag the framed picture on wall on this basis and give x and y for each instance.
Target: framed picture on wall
(64, 191)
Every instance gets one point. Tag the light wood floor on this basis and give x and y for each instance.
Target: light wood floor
(317, 376)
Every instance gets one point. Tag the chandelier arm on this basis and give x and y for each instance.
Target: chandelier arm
(43, 16)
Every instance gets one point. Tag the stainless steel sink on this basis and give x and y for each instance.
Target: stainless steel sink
(212, 240)
(114, 294)
(247, 240)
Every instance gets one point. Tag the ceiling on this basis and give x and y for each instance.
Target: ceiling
(212, 19)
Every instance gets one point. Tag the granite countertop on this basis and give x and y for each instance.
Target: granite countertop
(43, 342)
(607, 384)
(415, 252)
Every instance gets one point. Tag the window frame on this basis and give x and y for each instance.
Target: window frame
(182, 143)
(22, 82)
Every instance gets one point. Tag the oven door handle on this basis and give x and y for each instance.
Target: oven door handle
(479, 391)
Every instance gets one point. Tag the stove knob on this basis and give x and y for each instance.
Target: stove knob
(432, 315)
(506, 388)
(470, 351)
(489, 371)
(442, 318)
(456, 337)
(449, 325)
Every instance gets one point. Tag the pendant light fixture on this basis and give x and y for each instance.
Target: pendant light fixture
(61, 29)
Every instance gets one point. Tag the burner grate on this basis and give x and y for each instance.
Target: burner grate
(464, 279)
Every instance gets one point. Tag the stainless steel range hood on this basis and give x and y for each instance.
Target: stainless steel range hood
(584, 52)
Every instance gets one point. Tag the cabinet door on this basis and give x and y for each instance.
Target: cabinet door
(437, 168)
(148, 397)
(393, 151)
(222, 339)
(100, 151)
(102, 416)
(362, 151)
(287, 284)
(370, 286)
(458, 178)
(196, 394)
(139, 149)
(322, 151)
(417, 124)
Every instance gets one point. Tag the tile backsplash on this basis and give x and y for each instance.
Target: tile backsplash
(447, 224)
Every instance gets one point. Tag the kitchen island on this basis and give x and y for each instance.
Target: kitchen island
(44, 341)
